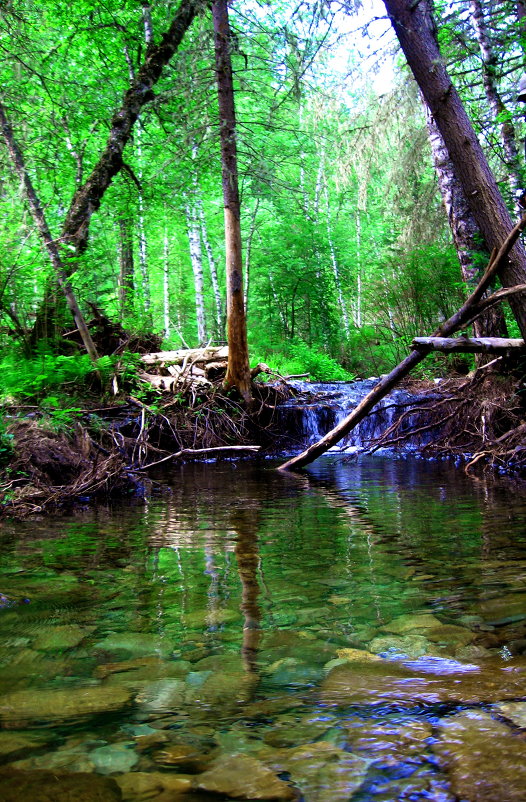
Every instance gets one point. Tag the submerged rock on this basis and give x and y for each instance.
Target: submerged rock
(118, 757)
(428, 680)
(485, 760)
(61, 638)
(243, 777)
(137, 786)
(13, 743)
(322, 772)
(61, 705)
(136, 643)
(411, 622)
(48, 786)
(514, 711)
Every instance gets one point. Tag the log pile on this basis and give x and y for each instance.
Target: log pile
(184, 369)
(189, 369)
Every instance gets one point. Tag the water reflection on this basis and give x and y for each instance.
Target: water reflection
(347, 629)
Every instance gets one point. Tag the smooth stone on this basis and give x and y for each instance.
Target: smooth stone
(48, 786)
(288, 731)
(11, 743)
(409, 622)
(74, 759)
(485, 760)
(144, 668)
(356, 655)
(162, 694)
(427, 680)
(182, 755)
(514, 711)
(289, 671)
(402, 645)
(113, 758)
(502, 607)
(61, 705)
(61, 638)
(136, 643)
(137, 786)
(450, 634)
(243, 777)
(322, 772)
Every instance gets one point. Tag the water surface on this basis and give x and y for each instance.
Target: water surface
(353, 632)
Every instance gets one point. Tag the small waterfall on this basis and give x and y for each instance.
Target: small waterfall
(318, 408)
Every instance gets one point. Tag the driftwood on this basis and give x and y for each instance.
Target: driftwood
(198, 453)
(468, 310)
(468, 345)
(186, 355)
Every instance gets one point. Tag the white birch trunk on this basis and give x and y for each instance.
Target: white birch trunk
(166, 286)
(196, 259)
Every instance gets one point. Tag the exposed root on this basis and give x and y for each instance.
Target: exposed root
(481, 418)
(108, 451)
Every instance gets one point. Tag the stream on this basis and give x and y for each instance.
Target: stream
(355, 632)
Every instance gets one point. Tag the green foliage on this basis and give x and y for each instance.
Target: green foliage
(297, 358)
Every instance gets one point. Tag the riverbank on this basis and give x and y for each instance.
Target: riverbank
(52, 460)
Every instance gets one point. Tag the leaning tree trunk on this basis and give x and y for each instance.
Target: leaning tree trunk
(464, 230)
(238, 371)
(50, 245)
(414, 27)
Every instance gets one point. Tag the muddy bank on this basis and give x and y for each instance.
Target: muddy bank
(111, 451)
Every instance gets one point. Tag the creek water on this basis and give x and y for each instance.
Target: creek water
(355, 632)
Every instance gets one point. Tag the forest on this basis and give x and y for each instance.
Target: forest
(369, 199)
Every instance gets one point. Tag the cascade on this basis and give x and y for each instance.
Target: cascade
(319, 407)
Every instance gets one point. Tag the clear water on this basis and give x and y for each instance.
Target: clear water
(356, 630)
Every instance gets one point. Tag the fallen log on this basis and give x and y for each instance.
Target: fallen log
(386, 383)
(468, 345)
(188, 355)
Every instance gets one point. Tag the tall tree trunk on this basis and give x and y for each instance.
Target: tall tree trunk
(238, 370)
(50, 245)
(126, 283)
(212, 266)
(465, 232)
(166, 285)
(248, 253)
(196, 259)
(335, 268)
(496, 104)
(143, 248)
(414, 27)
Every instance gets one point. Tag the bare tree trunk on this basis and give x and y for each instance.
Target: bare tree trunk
(196, 259)
(219, 321)
(335, 269)
(465, 232)
(238, 371)
(143, 248)
(248, 253)
(126, 283)
(166, 286)
(496, 104)
(414, 27)
(50, 244)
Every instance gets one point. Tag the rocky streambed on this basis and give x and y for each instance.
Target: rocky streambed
(358, 634)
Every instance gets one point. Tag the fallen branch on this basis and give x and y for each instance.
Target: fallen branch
(467, 344)
(195, 453)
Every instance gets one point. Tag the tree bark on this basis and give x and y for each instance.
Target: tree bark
(50, 245)
(414, 27)
(238, 372)
(467, 345)
(464, 229)
(196, 259)
(126, 267)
